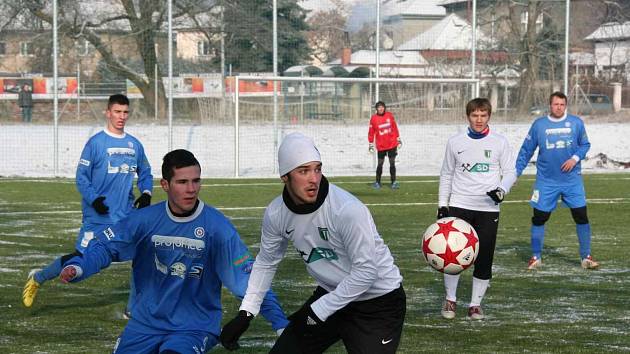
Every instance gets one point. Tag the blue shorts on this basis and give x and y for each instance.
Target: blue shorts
(87, 233)
(545, 197)
(188, 342)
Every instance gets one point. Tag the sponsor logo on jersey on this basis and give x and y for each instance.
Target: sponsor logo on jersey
(84, 162)
(487, 153)
(178, 269)
(318, 253)
(190, 247)
(109, 233)
(199, 232)
(196, 271)
(87, 237)
(242, 259)
(323, 233)
(479, 167)
(557, 131)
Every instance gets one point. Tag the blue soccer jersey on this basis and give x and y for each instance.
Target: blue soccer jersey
(107, 168)
(557, 141)
(179, 266)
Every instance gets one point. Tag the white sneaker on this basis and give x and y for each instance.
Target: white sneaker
(534, 263)
(589, 263)
(448, 309)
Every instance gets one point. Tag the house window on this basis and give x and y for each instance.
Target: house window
(3, 48)
(525, 18)
(27, 49)
(203, 48)
(83, 47)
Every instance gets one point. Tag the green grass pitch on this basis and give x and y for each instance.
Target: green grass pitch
(559, 309)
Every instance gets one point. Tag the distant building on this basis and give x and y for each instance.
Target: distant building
(612, 51)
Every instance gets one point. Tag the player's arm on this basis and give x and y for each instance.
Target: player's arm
(145, 180)
(527, 150)
(357, 230)
(256, 296)
(84, 173)
(446, 180)
(371, 133)
(508, 174)
(583, 144)
(116, 244)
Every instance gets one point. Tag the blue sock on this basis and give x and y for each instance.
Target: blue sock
(538, 237)
(584, 237)
(50, 272)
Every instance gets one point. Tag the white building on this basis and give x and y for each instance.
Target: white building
(612, 50)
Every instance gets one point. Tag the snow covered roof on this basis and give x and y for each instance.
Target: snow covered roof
(451, 33)
(390, 57)
(413, 8)
(449, 2)
(610, 31)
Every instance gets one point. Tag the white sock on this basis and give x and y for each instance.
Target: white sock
(479, 287)
(450, 284)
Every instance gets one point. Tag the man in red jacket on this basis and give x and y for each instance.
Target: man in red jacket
(384, 131)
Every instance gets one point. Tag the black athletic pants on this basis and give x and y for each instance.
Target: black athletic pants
(372, 327)
(486, 224)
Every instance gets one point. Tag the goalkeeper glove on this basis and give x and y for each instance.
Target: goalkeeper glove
(371, 148)
(99, 206)
(442, 212)
(496, 195)
(143, 200)
(399, 144)
(233, 330)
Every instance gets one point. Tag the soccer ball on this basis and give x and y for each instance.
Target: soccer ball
(450, 245)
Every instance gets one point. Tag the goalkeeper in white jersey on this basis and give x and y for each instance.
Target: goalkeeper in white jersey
(359, 298)
(477, 171)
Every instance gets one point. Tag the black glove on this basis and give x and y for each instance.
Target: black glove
(442, 212)
(496, 195)
(233, 330)
(305, 320)
(143, 200)
(99, 206)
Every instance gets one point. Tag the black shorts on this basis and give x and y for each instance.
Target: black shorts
(486, 223)
(391, 153)
(370, 326)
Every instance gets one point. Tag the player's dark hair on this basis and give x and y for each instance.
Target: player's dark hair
(478, 104)
(380, 103)
(117, 99)
(559, 95)
(177, 159)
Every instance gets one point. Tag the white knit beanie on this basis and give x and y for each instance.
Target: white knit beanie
(296, 149)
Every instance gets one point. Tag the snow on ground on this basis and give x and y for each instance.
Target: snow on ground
(28, 150)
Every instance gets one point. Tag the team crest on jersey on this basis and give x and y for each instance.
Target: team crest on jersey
(318, 253)
(324, 233)
(567, 124)
(130, 144)
(178, 269)
(199, 232)
(487, 153)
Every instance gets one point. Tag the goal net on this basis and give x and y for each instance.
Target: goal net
(335, 112)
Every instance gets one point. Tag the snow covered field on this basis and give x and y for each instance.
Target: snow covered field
(28, 151)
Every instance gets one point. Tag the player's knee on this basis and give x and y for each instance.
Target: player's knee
(540, 217)
(68, 256)
(579, 215)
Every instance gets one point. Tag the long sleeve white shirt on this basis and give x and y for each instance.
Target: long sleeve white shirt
(339, 244)
(472, 167)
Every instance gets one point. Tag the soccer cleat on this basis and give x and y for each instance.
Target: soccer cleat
(395, 185)
(448, 309)
(376, 185)
(30, 289)
(589, 263)
(534, 263)
(126, 315)
(475, 313)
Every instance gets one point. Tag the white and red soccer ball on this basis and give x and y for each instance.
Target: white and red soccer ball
(450, 245)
